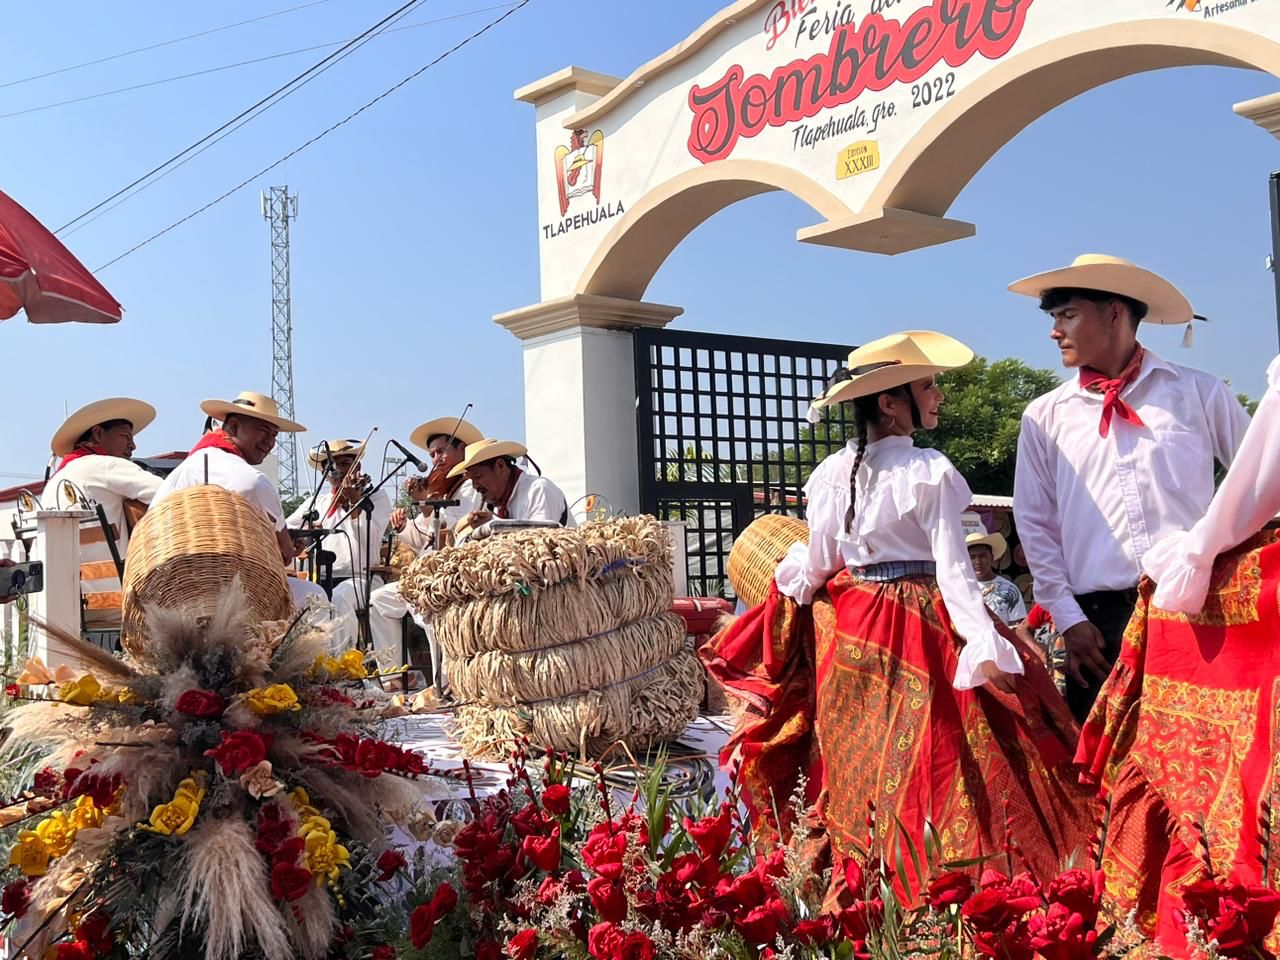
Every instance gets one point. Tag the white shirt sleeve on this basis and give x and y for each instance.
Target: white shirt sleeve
(1228, 422)
(267, 497)
(416, 533)
(938, 510)
(806, 569)
(130, 481)
(546, 502)
(1247, 500)
(1036, 508)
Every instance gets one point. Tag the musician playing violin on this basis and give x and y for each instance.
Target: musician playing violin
(356, 539)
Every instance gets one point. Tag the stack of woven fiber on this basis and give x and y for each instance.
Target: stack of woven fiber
(563, 636)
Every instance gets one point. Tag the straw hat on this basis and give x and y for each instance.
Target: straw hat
(995, 541)
(255, 405)
(137, 412)
(337, 448)
(443, 427)
(894, 360)
(1097, 271)
(482, 451)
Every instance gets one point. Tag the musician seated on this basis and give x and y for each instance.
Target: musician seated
(357, 537)
(228, 457)
(508, 491)
(95, 444)
(445, 439)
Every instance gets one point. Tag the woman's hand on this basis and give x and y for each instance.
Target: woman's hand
(995, 677)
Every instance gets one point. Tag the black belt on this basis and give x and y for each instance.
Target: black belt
(1102, 597)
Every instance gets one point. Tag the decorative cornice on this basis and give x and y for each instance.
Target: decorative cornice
(570, 78)
(1264, 111)
(585, 310)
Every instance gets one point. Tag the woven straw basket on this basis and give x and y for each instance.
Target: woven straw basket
(758, 550)
(563, 636)
(189, 547)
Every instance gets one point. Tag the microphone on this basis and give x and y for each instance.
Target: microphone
(422, 467)
(328, 458)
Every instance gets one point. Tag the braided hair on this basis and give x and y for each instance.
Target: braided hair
(865, 411)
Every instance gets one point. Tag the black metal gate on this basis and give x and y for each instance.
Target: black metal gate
(723, 436)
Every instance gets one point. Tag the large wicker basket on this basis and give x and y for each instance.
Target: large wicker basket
(189, 547)
(562, 636)
(758, 550)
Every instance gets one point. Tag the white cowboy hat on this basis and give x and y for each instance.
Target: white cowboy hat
(138, 413)
(337, 448)
(892, 361)
(445, 427)
(995, 541)
(482, 451)
(255, 405)
(1096, 271)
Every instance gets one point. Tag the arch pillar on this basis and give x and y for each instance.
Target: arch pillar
(580, 391)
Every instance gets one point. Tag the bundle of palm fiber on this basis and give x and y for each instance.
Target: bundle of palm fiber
(565, 636)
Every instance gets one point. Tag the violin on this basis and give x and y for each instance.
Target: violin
(434, 486)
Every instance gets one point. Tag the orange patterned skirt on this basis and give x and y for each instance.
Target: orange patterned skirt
(856, 695)
(1184, 737)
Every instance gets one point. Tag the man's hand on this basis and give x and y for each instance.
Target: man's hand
(399, 518)
(1086, 648)
(12, 596)
(288, 548)
(478, 517)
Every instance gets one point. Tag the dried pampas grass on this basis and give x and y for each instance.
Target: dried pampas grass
(223, 880)
(86, 653)
(313, 931)
(347, 794)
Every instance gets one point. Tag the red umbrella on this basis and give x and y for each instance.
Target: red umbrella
(38, 274)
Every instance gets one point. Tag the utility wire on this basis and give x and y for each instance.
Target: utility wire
(260, 107)
(319, 136)
(242, 63)
(157, 46)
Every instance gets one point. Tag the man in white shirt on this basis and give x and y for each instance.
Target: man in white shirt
(445, 439)
(227, 457)
(1114, 459)
(357, 539)
(95, 444)
(508, 492)
(1001, 595)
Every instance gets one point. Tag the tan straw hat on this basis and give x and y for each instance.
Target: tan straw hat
(482, 451)
(138, 413)
(255, 405)
(976, 535)
(892, 361)
(445, 427)
(337, 448)
(1096, 271)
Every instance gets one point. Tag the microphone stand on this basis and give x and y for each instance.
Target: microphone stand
(311, 515)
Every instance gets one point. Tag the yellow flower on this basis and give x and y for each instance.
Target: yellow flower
(324, 854)
(30, 854)
(178, 815)
(324, 667)
(84, 691)
(277, 698)
(352, 664)
(302, 804)
(57, 832)
(86, 815)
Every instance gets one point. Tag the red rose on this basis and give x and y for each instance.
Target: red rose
(444, 900)
(549, 891)
(273, 829)
(854, 877)
(102, 790)
(47, 783)
(1061, 933)
(761, 924)
(240, 750)
(390, 863)
(1013, 943)
(488, 950)
(543, 852)
(635, 946)
(383, 952)
(523, 945)
(1238, 918)
(950, 889)
(204, 704)
(814, 933)
(711, 834)
(605, 844)
(76, 950)
(609, 899)
(95, 930)
(603, 941)
(1079, 890)
(16, 898)
(289, 882)
(12, 690)
(992, 910)
(374, 756)
(289, 851)
(422, 923)
(556, 799)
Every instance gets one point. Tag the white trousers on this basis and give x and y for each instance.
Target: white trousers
(346, 600)
(303, 590)
(386, 612)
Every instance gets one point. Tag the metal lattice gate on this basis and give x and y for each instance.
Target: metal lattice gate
(723, 436)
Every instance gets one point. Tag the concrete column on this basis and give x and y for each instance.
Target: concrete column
(57, 545)
(580, 391)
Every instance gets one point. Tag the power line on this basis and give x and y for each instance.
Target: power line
(260, 107)
(241, 63)
(157, 46)
(319, 136)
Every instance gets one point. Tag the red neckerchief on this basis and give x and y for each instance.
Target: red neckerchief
(88, 450)
(1096, 382)
(216, 440)
(500, 509)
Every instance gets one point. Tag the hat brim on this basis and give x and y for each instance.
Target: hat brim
(942, 353)
(503, 448)
(461, 430)
(138, 412)
(221, 409)
(317, 461)
(1166, 304)
(996, 541)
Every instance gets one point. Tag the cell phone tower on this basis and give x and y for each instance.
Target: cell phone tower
(278, 208)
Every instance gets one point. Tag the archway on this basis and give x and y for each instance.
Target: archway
(877, 122)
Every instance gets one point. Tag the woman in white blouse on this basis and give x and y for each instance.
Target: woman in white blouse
(874, 668)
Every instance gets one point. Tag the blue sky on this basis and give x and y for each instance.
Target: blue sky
(418, 219)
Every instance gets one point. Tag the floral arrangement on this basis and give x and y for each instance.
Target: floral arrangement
(220, 793)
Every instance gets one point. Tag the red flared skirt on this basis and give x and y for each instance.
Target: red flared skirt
(857, 696)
